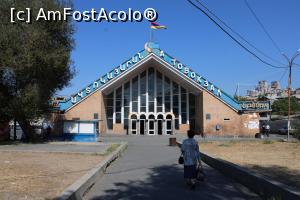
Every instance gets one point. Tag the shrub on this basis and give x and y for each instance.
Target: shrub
(268, 142)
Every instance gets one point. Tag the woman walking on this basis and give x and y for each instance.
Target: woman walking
(191, 157)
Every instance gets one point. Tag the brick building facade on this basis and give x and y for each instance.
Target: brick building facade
(154, 94)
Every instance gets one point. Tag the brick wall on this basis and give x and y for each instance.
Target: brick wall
(85, 110)
(217, 115)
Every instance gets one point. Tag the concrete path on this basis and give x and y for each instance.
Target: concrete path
(149, 170)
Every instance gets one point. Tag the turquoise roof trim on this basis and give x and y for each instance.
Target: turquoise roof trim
(136, 59)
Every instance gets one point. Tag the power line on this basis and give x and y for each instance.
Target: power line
(233, 38)
(284, 73)
(263, 27)
(239, 35)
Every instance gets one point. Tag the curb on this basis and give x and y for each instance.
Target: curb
(77, 190)
(263, 186)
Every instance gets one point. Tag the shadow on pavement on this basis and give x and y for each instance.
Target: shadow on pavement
(166, 182)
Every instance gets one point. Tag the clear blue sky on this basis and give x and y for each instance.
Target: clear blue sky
(192, 38)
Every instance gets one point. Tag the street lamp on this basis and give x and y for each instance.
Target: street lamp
(290, 64)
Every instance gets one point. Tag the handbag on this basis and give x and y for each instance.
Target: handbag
(200, 173)
(181, 160)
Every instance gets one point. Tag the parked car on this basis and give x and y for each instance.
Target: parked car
(284, 130)
(19, 132)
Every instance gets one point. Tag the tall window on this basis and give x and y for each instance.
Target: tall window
(143, 91)
(192, 107)
(151, 90)
(135, 88)
(175, 104)
(118, 104)
(110, 110)
(167, 95)
(183, 106)
(159, 92)
(126, 102)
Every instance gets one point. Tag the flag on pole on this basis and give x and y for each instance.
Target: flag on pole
(157, 26)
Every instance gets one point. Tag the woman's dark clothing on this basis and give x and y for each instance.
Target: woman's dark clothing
(190, 171)
(191, 156)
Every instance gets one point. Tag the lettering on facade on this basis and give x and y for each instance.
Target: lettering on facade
(95, 85)
(191, 74)
(127, 64)
(109, 76)
(255, 105)
(88, 90)
(73, 99)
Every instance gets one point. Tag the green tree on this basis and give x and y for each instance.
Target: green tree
(262, 98)
(240, 98)
(281, 106)
(35, 61)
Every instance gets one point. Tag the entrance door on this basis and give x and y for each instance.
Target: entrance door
(160, 126)
(133, 127)
(151, 125)
(169, 125)
(142, 127)
(142, 124)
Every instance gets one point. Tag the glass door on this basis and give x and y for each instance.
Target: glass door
(142, 124)
(169, 125)
(160, 127)
(133, 124)
(151, 125)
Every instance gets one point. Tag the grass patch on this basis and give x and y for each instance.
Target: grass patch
(268, 142)
(224, 145)
(276, 160)
(111, 149)
(205, 142)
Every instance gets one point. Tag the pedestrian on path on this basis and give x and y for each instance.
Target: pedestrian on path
(267, 129)
(191, 157)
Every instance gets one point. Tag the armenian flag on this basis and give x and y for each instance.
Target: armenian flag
(157, 26)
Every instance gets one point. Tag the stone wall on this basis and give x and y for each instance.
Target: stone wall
(220, 119)
(85, 110)
(213, 117)
(183, 128)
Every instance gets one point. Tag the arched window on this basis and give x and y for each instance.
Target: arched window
(160, 116)
(169, 117)
(151, 116)
(133, 116)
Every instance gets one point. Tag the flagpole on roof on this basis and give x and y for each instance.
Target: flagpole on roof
(155, 26)
(151, 34)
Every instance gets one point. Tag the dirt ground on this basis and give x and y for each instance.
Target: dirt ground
(277, 160)
(28, 175)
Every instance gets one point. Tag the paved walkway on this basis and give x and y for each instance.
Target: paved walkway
(149, 170)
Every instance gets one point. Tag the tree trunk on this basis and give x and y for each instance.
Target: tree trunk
(27, 129)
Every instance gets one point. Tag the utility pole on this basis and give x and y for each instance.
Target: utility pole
(15, 129)
(290, 64)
